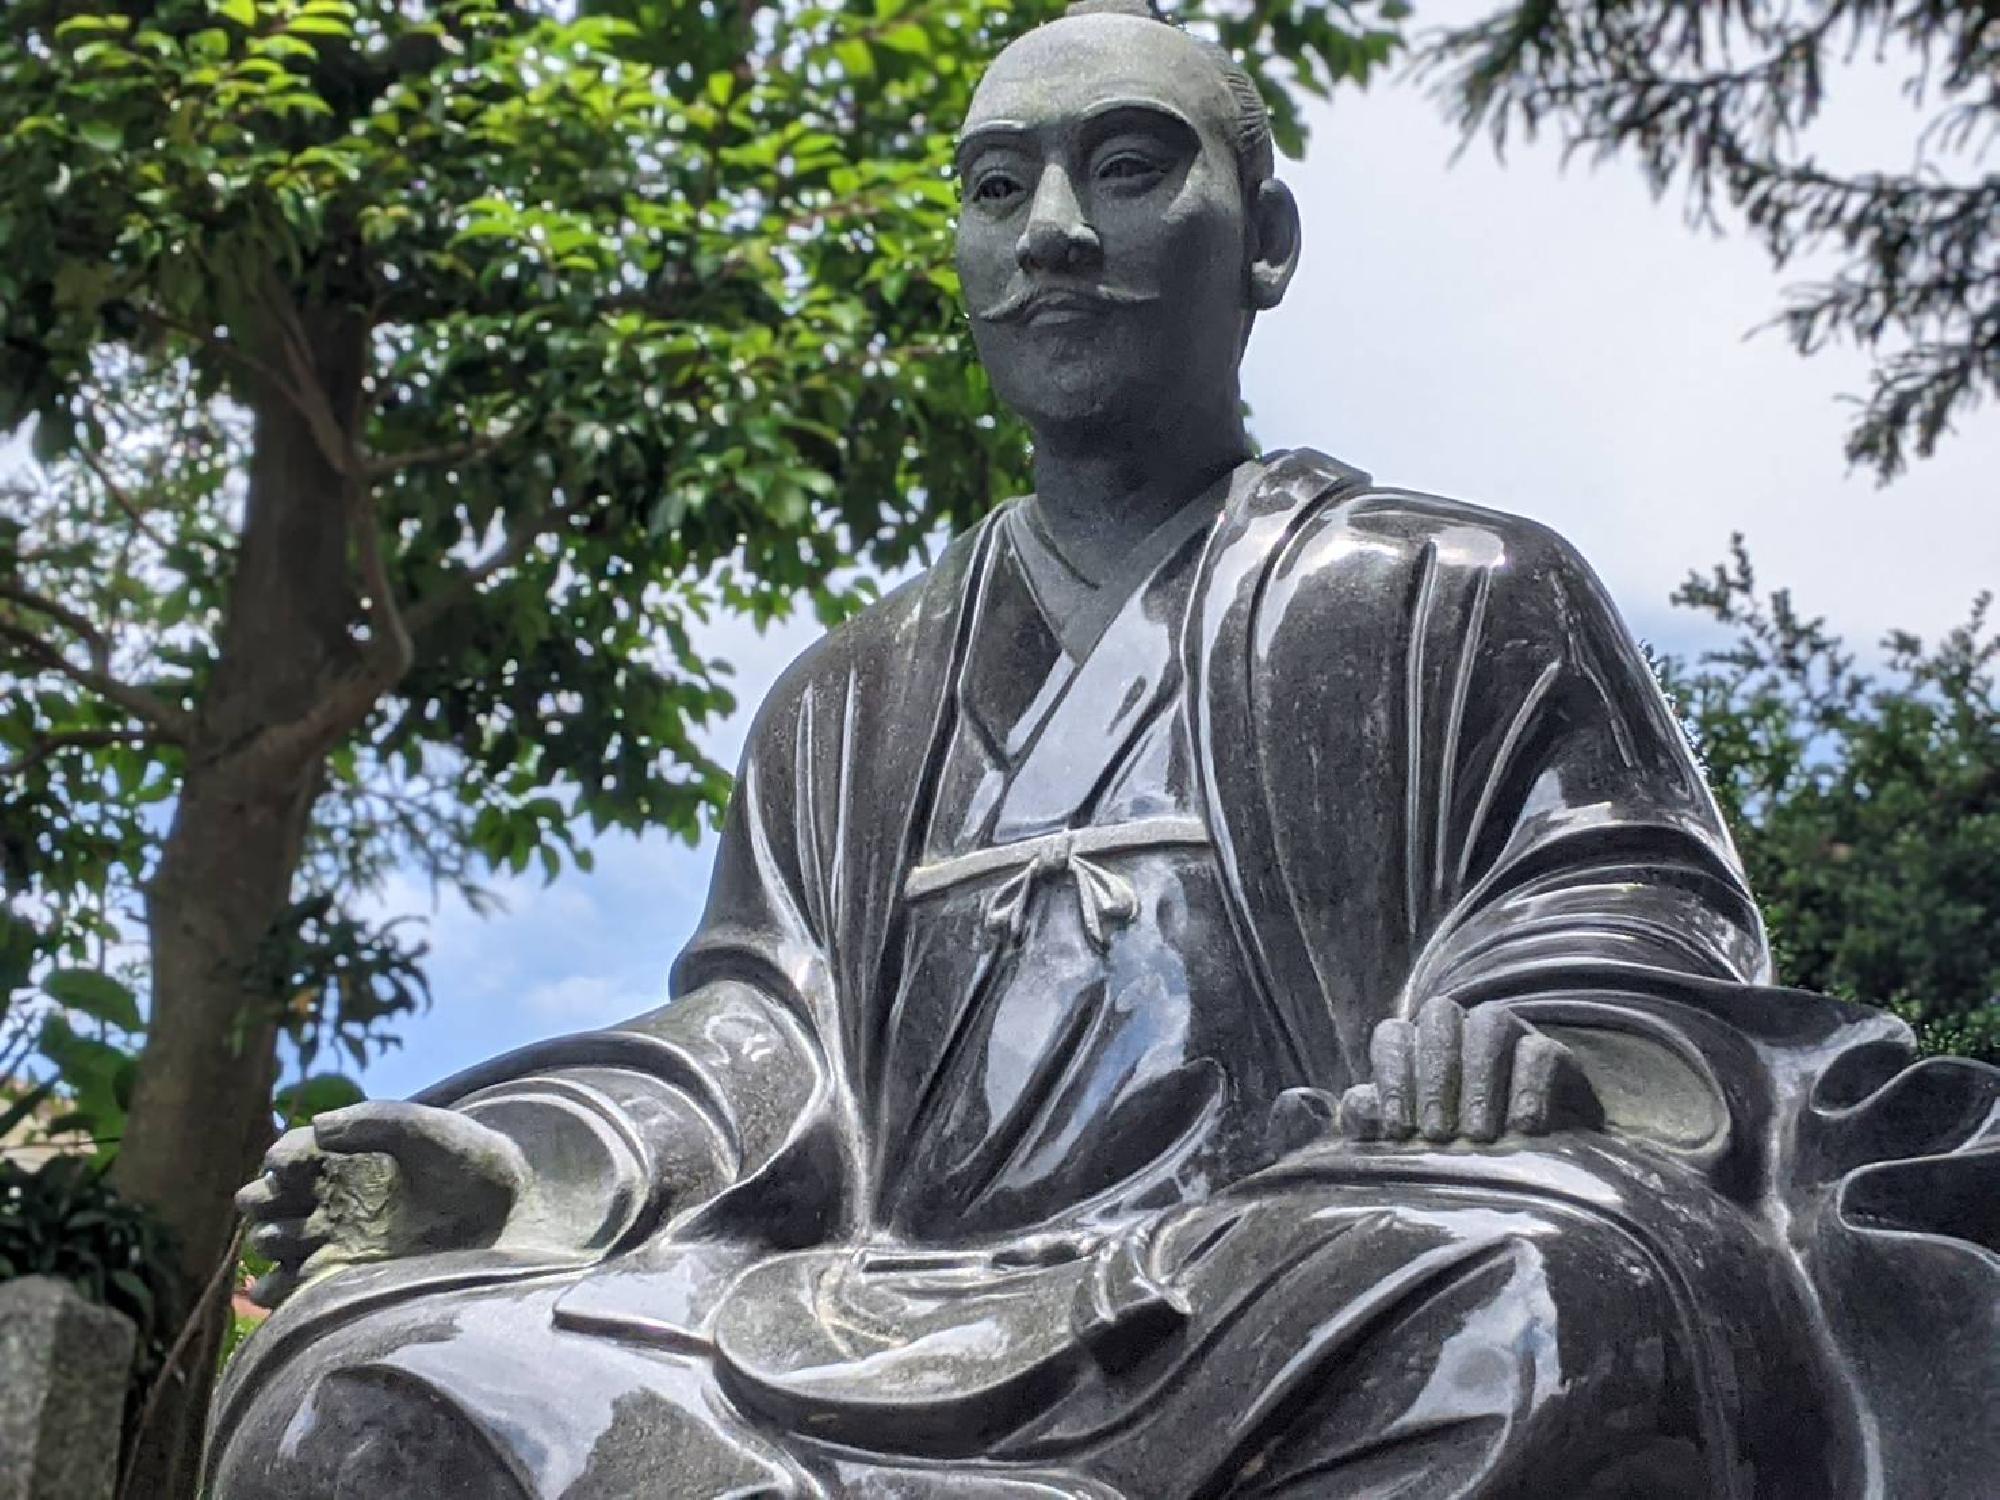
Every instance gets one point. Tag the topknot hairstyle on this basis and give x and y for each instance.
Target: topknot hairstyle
(1255, 160)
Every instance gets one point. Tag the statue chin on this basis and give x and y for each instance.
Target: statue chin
(1068, 402)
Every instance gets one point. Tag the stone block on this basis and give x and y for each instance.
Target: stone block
(63, 1366)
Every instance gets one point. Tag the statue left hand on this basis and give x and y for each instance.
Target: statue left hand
(378, 1181)
(1450, 1076)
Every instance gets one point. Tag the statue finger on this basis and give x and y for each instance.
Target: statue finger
(274, 1197)
(375, 1125)
(1550, 1090)
(1573, 1103)
(1533, 1081)
(1361, 1113)
(1439, 1068)
(292, 1156)
(1490, 1037)
(286, 1241)
(1392, 1056)
(274, 1286)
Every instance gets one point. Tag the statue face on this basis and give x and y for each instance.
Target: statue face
(1103, 234)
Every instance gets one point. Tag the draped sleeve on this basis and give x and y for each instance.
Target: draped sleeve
(723, 1108)
(737, 1108)
(1466, 782)
(1562, 855)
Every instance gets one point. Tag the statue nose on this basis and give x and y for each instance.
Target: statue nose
(1056, 237)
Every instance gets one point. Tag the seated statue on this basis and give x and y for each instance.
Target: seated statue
(1232, 984)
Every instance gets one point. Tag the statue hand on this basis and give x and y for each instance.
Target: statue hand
(376, 1181)
(1450, 1076)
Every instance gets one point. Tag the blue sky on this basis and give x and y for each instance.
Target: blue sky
(1554, 344)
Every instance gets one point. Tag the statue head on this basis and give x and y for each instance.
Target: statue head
(1119, 224)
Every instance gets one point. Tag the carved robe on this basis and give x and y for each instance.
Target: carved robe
(975, 1154)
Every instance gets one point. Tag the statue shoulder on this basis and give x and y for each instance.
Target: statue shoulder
(1373, 557)
(1367, 529)
(1407, 525)
(910, 625)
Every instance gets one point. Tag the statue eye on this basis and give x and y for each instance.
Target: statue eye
(994, 187)
(1127, 168)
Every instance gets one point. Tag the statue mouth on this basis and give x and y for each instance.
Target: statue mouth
(1060, 304)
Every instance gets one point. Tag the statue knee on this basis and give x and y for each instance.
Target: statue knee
(363, 1434)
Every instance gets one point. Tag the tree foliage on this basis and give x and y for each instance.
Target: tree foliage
(1866, 804)
(598, 322)
(1721, 99)
(409, 382)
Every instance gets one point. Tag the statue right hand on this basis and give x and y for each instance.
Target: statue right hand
(1457, 1076)
(377, 1181)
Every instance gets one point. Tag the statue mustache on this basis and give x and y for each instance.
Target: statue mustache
(1024, 301)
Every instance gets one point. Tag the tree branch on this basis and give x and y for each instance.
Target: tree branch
(299, 387)
(307, 393)
(50, 744)
(226, 349)
(173, 723)
(170, 1371)
(426, 612)
(348, 702)
(390, 645)
(62, 614)
(350, 698)
(123, 500)
(472, 450)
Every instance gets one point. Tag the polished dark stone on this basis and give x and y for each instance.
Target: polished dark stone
(1230, 985)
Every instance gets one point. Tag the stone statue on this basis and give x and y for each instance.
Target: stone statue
(1232, 984)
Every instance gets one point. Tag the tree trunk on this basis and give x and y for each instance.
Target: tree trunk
(200, 1116)
(201, 1113)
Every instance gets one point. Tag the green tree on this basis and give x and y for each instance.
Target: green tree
(1721, 99)
(1866, 804)
(409, 380)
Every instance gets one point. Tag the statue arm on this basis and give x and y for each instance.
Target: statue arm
(643, 1124)
(1584, 879)
(1583, 829)
(626, 1128)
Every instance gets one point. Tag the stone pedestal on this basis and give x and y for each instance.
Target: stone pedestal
(63, 1364)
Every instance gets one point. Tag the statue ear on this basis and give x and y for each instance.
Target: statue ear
(1274, 243)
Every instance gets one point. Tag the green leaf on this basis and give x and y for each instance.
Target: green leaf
(96, 1073)
(82, 286)
(138, 1296)
(91, 26)
(857, 58)
(19, 944)
(301, 1101)
(97, 995)
(105, 135)
(242, 12)
(911, 39)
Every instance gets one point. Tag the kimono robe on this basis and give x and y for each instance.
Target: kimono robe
(977, 1153)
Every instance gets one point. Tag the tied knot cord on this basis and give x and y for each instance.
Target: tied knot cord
(1106, 900)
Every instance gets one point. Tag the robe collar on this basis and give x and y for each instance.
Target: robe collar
(1054, 723)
